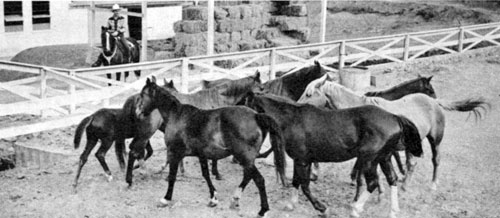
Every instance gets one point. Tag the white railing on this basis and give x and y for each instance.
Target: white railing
(88, 85)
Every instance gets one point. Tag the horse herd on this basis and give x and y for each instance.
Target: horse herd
(307, 116)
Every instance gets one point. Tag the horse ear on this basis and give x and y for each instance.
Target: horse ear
(148, 81)
(153, 79)
(316, 62)
(419, 76)
(171, 84)
(257, 75)
(429, 78)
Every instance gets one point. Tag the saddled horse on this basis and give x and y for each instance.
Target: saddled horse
(226, 95)
(421, 84)
(213, 134)
(368, 133)
(113, 53)
(425, 112)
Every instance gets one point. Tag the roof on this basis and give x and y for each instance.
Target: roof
(127, 4)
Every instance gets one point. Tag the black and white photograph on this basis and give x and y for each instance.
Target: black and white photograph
(250, 108)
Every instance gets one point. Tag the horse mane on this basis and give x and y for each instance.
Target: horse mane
(236, 87)
(332, 87)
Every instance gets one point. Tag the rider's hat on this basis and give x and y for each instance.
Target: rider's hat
(115, 7)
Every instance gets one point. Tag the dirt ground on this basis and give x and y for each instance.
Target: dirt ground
(468, 172)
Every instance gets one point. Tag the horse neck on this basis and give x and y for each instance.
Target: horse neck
(343, 97)
(171, 108)
(281, 111)
(203, 99)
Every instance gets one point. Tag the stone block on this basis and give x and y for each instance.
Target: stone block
(235, 36)
(302, 34)
(220, 13)
(245, 35)
(194, 26)
(233, 12)
(230, 25)
(268, 33)
(195, 13)
(288, 23)
(245, 11)
(257, 10)
(222, 38)
(178, 26)
(297, 10)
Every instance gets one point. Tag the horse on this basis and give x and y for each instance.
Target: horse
(226, 95)
(113, 53)
(213, 134)
(290, 85)
(108, 126)
(425, 112)
(368, 133)
(421, 84)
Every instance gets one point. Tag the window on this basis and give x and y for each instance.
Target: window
(41, 15)
(13, 16)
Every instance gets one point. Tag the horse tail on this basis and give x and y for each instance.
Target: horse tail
(277, 143)
(410, 136)
(79, 130)
(466, 105)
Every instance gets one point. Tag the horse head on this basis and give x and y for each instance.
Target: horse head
(108, 42)
(314, 94)
(146, 102)
(426, 87)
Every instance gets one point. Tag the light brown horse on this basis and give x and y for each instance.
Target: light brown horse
(425, 112)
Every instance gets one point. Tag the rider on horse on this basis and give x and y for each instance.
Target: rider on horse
(116, 26)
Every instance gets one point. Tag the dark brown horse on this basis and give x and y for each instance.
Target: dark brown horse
(213, 134)
(226, 95)
(367, 133)
(113, 53)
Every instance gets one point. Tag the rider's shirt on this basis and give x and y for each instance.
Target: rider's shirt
(116, 24)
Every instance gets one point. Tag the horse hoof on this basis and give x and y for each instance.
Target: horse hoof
(325, 214)
(392, 215)
(110, 178)
(262, 216)
(164, 203)
(219, 177)
(355, 211)
(434, 186)
(313, 177)
(213, 203)
(403, 187)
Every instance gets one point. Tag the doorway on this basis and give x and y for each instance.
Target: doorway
(135, 24)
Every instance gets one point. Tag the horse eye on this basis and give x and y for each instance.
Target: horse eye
(308, 95)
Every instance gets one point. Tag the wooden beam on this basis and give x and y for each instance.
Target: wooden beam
(133, 14)
(324, 4)
(41, 126)
(91, 24)
(27, 17)
(211, 27)
(144, 32)
(72, 80)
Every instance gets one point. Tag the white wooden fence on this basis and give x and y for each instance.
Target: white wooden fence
(84, 86)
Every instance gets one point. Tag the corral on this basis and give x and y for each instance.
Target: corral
(468, 185)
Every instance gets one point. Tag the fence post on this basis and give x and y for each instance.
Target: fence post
(341, 55)
(185, 75)
(406, 51)
(72, 90)
(461, 35)
(272, 64)
(43, 88)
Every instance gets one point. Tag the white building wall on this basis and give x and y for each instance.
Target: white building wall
(67, 26)
(161, 21)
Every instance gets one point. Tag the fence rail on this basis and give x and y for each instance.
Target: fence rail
(86, 85)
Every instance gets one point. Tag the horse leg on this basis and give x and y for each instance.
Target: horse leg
(172, 174)
(118, 76)
(120, 152)
(399, 162)
(303, 171)
(392, 178)
(91, 142)
(136, 152)
(436, 157)
(125, 77)
(204, 171)
(247, 176)
(355, 172)
(149, 150)
(101, 156)
(315, 171)
(411, 163)
(109, 77)
(137, 74)
(215, 170)
(261, 185)
(369, 170)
